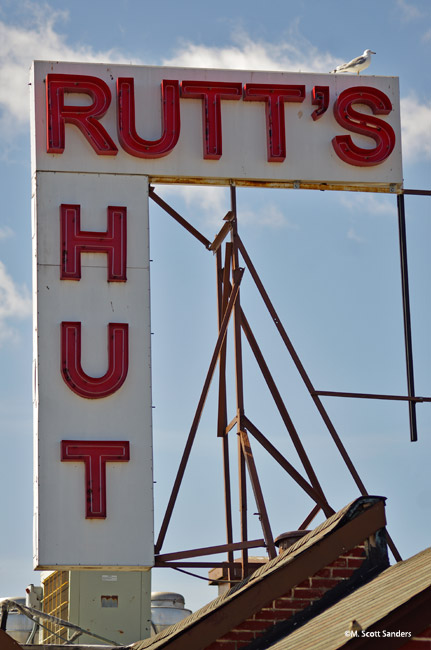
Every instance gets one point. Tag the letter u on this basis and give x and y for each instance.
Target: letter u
(171, 123)
(118, 361)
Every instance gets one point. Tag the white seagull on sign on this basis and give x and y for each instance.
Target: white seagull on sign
(356, 65)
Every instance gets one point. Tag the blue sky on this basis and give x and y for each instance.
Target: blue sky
(329, 261)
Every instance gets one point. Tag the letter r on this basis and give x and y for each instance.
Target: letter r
(75, 241)
(86, 118)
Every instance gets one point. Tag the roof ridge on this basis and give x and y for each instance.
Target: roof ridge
(338, 519)
(403, 581)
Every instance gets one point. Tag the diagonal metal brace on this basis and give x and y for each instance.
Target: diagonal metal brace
(175, 215)
(201, 404)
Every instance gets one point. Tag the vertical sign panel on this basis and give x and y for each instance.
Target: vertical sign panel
(94, 504)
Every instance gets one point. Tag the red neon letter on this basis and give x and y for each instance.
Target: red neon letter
(118, 364)
(75, 241)
(129, 139)
(86, 118)
(381, 132)
(211, 93)
(320, 99)
(274, 95)
(95, 454)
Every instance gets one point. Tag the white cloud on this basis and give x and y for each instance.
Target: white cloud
(20, 45)
(40, 38)
(6, 232)
(249, 54)
(368, 203)
(353, 236)
(212, 204)
(15, 303)
(270, 216)
(416, 129)
(408, 11)
(297, 55)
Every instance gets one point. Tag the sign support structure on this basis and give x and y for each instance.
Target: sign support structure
(229, 276)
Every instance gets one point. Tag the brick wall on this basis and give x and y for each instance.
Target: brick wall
(294, 601)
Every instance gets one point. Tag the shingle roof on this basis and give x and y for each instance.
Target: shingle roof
(288, 558)
(368, 605)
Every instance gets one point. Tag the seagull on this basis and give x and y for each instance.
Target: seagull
(356, 65)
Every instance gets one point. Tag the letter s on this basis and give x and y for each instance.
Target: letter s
(381, 132)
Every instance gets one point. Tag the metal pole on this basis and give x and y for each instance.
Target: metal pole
(281, 460)
(307, 521)
(175, 215)
(260, 503)
(284, 413)
(201, 404)
(306, 379)
(406, 313)
(4, 613)
(239, 390)
(223, 292)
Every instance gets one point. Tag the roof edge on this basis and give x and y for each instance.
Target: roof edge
(346, 529)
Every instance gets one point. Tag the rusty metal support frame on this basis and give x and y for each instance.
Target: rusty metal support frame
(228, 301)
(306, 379)
(406, 314)
(289, 469)
(411, 398)
(175, 215)
(210, 550)
(239, 392)
(223, 293)
(307, 521)
(285, 416)
(258, 495)
(404, 398)
(201, 404)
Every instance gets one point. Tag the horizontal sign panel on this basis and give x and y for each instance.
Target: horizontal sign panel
(184, 125)
(94, 487)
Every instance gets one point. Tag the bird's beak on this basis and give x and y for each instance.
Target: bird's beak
(373, 53)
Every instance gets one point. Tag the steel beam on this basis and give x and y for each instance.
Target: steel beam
(223, 296)
(283, 411)
(258, 495)
(239, 387)
(201, 404)
(405, 398)
(307, 521)
(211, 550)
(306, 379)
(178, 218)
(406, 314)
(312, 493)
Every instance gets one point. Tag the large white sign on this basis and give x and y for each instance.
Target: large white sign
(100, 134)
(183, 125)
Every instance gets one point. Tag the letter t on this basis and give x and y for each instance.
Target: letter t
(95, 454)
